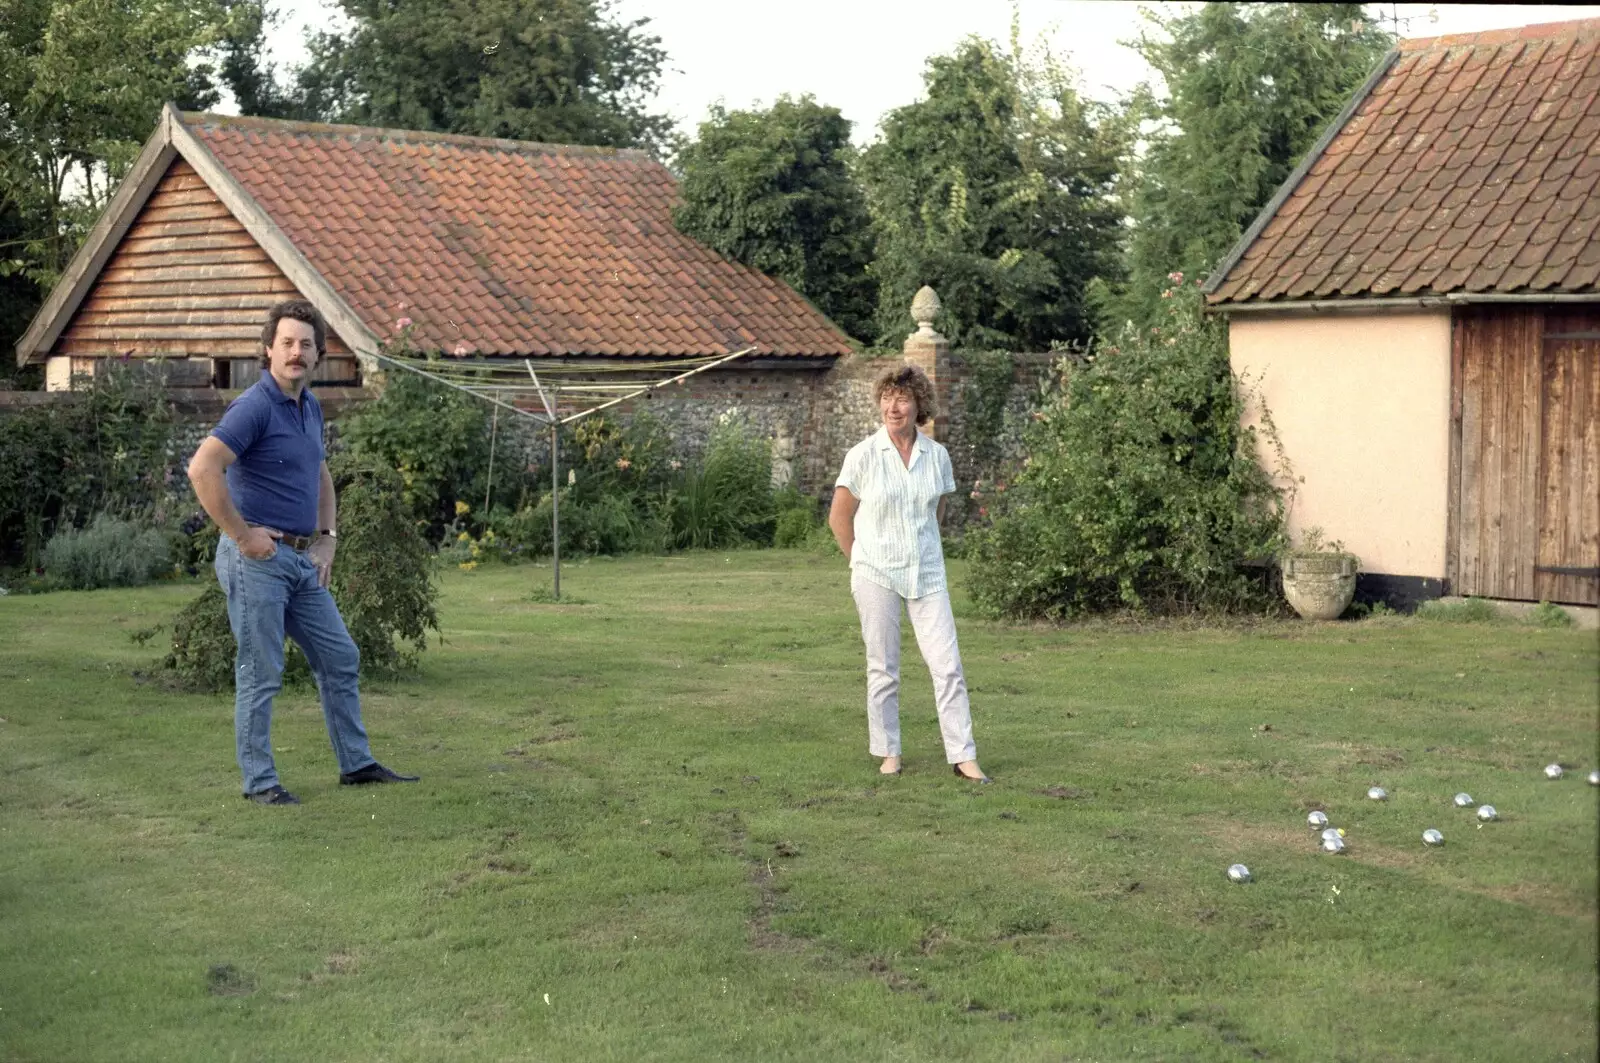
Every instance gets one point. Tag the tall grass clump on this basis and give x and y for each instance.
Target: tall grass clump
(727, 500)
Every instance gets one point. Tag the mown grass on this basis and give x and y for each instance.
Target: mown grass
(648, 829)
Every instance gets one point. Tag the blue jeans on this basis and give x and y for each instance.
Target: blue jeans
(266, 601)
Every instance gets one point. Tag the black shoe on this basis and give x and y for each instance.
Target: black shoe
(374, 772)
(273, 795)
(982, 779)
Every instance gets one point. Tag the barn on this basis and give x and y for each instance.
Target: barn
(488, 249)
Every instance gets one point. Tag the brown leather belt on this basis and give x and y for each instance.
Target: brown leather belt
(298, 543)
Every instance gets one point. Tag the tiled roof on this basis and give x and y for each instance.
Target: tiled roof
(505, 248)
(1470, 166)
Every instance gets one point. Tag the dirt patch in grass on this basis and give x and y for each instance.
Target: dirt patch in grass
(1234, 834)
(1541, 897)
(1066, 793)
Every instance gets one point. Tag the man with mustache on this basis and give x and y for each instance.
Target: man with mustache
(262, 475)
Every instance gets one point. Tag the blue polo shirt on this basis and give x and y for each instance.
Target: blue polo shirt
(279, 445)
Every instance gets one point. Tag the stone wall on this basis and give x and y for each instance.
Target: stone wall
(812, 412)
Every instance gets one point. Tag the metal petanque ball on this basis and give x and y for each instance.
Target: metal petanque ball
(1432, 837)
(1464, 801)
(1487, 812)
(1378, 793)
(1332, 832)
(1318, 820)
(1238, 873)
(1594, 778)
(1552, 771)
(1333, 845)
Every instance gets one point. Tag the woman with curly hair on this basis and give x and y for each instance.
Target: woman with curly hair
(887, 506)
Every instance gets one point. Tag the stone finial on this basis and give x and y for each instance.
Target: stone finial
(925, 306)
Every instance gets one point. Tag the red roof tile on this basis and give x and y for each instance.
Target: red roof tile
(510, 248)
(1467, 166)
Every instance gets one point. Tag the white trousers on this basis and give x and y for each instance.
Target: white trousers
(935, 629)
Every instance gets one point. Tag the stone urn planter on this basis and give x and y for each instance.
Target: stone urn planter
(1319, 586)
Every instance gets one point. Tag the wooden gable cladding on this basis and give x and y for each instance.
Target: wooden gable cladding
(186, 281)
(1525, 454)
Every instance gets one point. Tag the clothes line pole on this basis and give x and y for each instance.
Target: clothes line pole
(555, 478)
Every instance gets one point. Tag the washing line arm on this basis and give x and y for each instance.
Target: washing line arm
(384, 358)
(651, 387)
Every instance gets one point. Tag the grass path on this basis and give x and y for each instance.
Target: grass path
(648, 829)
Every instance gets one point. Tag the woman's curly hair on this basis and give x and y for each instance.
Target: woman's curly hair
(912, 381)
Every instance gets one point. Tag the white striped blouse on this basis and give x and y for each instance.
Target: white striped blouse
(897, 525)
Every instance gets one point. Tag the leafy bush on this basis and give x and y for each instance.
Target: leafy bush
(108, 553)
(435, 438)
(382, 582)
(203, 650)
(796, 520)
(1141, 490)
(107, 449)
(728, 500)
(383, 574)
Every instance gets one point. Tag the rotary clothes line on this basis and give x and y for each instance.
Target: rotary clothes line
(489, 382)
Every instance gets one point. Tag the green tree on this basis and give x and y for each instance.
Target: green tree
(773, 189)
(1249, 88)
(546, 70)
(997, 189)
(81, 86)
(240, 63)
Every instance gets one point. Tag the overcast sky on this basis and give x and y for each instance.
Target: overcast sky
(866, 56)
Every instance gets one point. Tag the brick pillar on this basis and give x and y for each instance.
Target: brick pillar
(929, 351)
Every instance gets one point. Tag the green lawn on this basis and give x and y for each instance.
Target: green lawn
(648, 829)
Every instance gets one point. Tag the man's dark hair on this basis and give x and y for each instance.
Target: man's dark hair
(294, 310)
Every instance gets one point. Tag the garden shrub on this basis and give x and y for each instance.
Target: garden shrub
(110, 552)
(383, 572)
(202, 653)
(107, 449)
(435, 438)
(382, 582)
(796, 519)
(1140, 490)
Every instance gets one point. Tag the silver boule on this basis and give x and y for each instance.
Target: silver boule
(1238, 873)
(1432, 837)
(1332, 832)
(1487, 812)
(1378, 793)
(1318, 820)
(1594, 778)
(1333, 845)
(1464, 801)
(1552, 771)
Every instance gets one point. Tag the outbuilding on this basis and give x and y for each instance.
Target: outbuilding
(1418, 307)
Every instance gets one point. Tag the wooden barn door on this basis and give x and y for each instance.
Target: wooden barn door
(1525, 491)
(1567, 568)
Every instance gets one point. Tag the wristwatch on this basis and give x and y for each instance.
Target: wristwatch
(329, 532)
